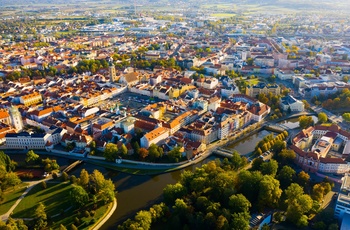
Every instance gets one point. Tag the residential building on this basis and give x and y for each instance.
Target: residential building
(264, 88)
(154, 137)
(292, 104)
(31, 99)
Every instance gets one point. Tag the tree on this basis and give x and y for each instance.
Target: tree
(286, 176)
(173, 192)
(135, 145)
(285, 156)
(13, 224)
(303, 179)
(278, 146)
(144, 220)
(269, 168)
(40, 216)
(84, 178)
(73, 179)
(79, 196)
(143, 153)
(250, 61)
(346, 117)
(73, 227)
(320, 190)
(31, 157)
(11, 179)
(154, 152)
(298, 204)
(175, 154)
(236, 160)
(65, 176)
(269, 192)
(43, 185)
(240, 221)
(305, 121)
(110, 152)
(123, 150)
(6, 161)
(102, 187)
(256, 164)
(322, 117)
(93, 145)
(239, 203)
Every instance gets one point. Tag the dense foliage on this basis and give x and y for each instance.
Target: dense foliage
(223, 194)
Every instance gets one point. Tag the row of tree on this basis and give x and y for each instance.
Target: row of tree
(270, 142)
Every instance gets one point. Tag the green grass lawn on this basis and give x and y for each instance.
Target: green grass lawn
(10, 197)
(253, 81)
(86, 222)
(55, 198)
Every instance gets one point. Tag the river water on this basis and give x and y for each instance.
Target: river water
(294, 122)
(247, 145)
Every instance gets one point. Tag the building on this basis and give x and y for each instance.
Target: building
(314, 157)
(25, 140)
(31, 99)
(112, 72)
(342, 207)
(16, 118)
(289, 102)
(261, 87)
(154, 137)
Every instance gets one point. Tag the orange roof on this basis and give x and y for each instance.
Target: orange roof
(155, 133)
(4, 114)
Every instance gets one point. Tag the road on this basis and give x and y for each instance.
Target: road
(332, 117)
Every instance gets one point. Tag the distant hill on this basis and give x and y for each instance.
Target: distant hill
(293, 4)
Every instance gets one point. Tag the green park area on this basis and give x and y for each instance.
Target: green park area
(10, 196)
(54, 197)
(59, 206)
(253, 81)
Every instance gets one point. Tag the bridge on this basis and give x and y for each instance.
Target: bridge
(72, 166)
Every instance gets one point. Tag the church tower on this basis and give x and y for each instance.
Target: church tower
(112, 72)
(16, 118)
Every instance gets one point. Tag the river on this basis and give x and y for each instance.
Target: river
(247, 145)
(135, 192)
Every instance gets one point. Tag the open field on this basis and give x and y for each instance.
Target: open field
(223, 15)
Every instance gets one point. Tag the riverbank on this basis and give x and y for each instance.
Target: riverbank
(111, 209)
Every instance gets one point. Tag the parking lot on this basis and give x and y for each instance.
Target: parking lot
(130, 102)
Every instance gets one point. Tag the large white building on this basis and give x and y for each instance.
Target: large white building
(25, 140)
(289, 102)
(154, 137)
(343, 202)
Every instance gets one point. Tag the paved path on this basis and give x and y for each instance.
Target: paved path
(5, 216)
(106, 217)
